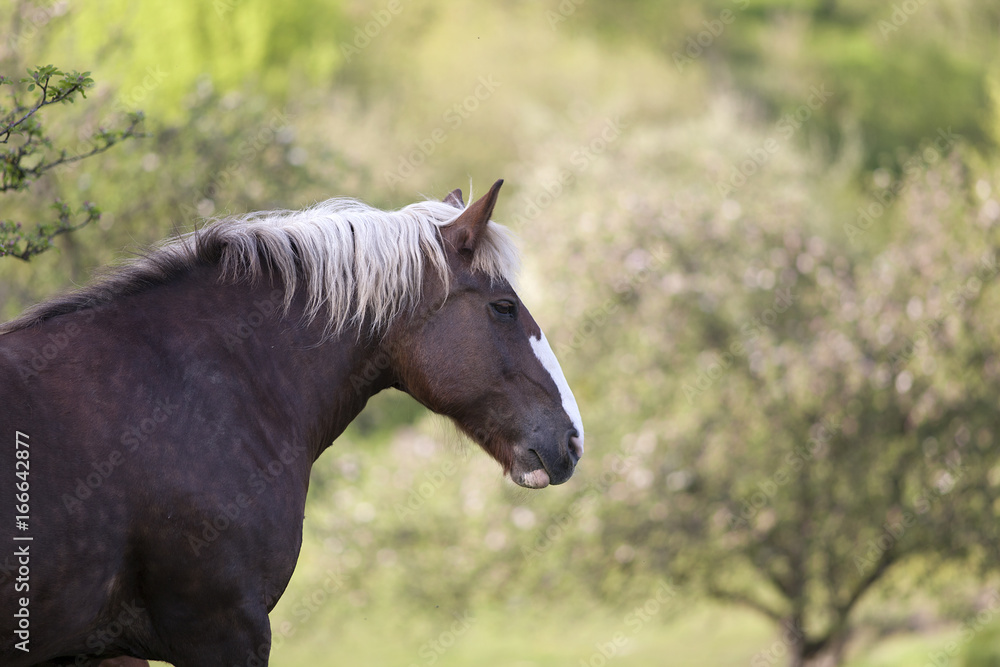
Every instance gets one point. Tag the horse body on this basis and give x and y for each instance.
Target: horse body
(186, 476)
(173, 427)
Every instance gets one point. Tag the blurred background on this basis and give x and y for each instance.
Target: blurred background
(761, 236)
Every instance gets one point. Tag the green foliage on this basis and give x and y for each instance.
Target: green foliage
(897, 75)
(28, 153)
(156, 53)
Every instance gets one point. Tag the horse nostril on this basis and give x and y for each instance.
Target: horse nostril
(575, 446)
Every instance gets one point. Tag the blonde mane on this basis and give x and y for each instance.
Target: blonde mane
(356, 263)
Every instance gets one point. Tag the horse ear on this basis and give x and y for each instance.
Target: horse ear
(455, 198)
(464, 233)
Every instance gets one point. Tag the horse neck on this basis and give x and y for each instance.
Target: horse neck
(317, 384)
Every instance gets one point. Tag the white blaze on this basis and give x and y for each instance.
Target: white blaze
(548, 358)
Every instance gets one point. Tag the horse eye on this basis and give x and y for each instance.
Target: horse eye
(504, 308)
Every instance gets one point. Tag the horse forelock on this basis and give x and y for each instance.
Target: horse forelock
(355, 263)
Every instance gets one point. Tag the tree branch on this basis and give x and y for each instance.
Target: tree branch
(739, 598)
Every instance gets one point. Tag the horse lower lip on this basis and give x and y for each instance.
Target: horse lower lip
(536, 479)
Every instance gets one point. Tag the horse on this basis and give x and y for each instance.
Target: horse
(160, 423)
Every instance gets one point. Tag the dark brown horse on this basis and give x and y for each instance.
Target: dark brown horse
(159, 426)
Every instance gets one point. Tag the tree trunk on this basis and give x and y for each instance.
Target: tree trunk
(803, 653)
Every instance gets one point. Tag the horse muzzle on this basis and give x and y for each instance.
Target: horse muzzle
(539, 464)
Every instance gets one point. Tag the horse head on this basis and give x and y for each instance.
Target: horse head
(473, 352)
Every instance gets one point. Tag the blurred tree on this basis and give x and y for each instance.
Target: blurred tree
(811, 383)
(28, 153)
(834, 413)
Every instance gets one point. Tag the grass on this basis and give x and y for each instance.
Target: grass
(703, 635)
(680, 634)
